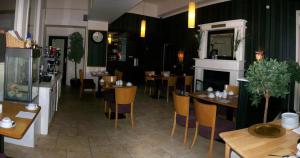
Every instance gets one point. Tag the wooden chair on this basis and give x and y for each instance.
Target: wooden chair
(119, 75)
(124, 96)
(234, 89)
(108, 80)
(148, 80)
(205, 116)
(86, 83)
(181, 107)
(188, 81)
(171, 83)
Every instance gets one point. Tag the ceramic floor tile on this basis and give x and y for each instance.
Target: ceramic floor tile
(80, 130)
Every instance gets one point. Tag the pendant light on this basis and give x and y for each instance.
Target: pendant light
(191, 14)
(109, 38)
(143, 25)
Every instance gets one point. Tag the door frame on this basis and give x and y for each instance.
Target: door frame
(65, 38)
(297, 85)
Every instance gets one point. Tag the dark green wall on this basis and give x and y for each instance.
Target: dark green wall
(96, 51)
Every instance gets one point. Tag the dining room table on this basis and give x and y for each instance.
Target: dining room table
(230, 101)
(21, 125)
(249, 146)
(99, 75)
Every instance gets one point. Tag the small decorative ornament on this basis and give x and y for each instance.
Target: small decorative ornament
(259, 55)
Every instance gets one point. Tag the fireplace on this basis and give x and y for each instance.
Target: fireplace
(215, 79)
(227, 71)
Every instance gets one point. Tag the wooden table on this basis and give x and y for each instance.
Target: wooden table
(11, 110)
(249, 146)
(230, 101)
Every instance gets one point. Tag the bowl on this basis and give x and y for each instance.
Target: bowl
(128, 84)
(6, 120)
(211, 95)
(210, 89)
(31, 106)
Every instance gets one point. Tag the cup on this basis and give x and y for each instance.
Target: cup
(31, 106)
(128, 84)
(6, 122)
(290, 120)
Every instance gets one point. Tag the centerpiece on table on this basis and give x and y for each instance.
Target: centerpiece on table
(267, 78)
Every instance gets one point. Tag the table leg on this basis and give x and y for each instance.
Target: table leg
(227, 151)
(1, 144)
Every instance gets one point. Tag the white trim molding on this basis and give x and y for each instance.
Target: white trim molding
(297, 85)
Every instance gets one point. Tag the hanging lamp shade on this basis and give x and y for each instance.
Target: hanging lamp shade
(143, 28)
(191, 14)
(109, 38)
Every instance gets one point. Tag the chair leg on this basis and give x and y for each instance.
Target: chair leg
(132, 117)
(196, 134)
(186, 129)
(116, 116)
(211, 144)
(145, 90)
(109, 113)
(174, 124)
(81, 91)
(150, 90)
(105, 106)
(167, 94)
(94, 92)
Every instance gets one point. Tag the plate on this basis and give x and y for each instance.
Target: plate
(13, 125)
(266, 130)
(31, 109)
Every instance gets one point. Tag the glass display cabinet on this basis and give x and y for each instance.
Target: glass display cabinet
(21, 81)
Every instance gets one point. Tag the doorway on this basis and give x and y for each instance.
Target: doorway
(297, 85)
(62, 43)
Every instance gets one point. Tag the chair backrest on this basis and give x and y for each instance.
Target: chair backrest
(172, 81)
(149, 73)
(125, 95)
(81, 75)
(233, 88)
(181, 104)
(205, 113)
(119, 75)
(188, 80)
(109, 79)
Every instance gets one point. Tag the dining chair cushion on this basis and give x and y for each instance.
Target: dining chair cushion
(123, 108)
(180, 119)
(222, 125)
(89, 84)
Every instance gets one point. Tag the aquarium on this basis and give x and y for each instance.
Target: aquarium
(21, 80)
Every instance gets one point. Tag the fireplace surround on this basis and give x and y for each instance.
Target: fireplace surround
(234, 67)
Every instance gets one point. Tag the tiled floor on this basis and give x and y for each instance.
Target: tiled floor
(80, 130)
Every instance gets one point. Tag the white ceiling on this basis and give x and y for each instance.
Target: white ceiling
(110, 10)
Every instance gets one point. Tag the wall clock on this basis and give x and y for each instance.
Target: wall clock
(97, 37)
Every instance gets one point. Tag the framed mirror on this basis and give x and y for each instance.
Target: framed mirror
(220, 44)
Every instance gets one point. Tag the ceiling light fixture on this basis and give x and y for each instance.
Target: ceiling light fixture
(191, 14)
(143, 24)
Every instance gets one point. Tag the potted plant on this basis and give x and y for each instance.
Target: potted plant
(75, 54)
(267, 78)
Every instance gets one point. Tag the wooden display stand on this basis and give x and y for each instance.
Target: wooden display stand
(12, 42)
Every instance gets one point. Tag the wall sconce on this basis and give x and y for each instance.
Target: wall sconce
(180, 56)
(109, 38)
(191, 14)
(259, 55)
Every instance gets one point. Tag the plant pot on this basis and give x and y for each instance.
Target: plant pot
(75, 83)
(266, 130)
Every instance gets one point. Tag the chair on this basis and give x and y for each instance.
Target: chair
(171, 82)
(181, 107)
(86, 83)
(124, 102)
(233, 88)
(188, 81)
(149, 80)
(119, 75)
(107, 81)
(205, 116)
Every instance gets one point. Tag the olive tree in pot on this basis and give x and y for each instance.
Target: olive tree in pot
(267, 78)
(75, 54)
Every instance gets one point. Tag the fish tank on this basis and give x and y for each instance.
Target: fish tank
(21, 78)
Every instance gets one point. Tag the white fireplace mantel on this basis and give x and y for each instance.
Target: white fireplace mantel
(234, 67)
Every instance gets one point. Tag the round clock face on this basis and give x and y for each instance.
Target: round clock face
(97, 37)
